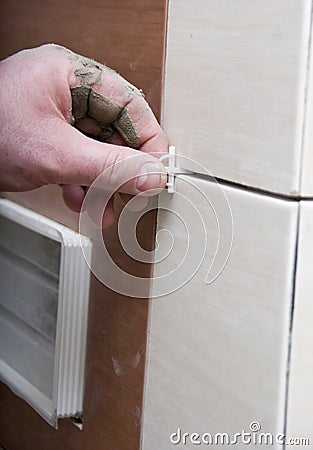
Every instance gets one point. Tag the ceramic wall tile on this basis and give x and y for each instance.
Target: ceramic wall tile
(236, 89)
(300, 392)
(218, 352)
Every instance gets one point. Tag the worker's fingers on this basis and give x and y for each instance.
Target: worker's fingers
(49, 88)
(103, 97)
(78, 159)
(102, 215)
(73, 196)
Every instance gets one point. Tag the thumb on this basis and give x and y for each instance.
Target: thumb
(79, 160)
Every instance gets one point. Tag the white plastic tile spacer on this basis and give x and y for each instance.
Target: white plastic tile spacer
(170, 168)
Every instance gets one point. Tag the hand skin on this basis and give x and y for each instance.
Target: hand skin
(39, 146)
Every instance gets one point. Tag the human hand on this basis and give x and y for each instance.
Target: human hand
(46, 89)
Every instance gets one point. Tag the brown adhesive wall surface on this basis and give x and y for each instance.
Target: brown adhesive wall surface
(127, 35)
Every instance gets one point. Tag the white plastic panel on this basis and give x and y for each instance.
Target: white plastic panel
(44, 294)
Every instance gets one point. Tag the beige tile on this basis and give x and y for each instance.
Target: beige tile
(218, 353)
(235, 88)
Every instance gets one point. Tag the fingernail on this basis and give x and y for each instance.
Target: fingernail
(151, 176)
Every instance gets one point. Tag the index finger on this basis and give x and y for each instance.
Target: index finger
(101, 94)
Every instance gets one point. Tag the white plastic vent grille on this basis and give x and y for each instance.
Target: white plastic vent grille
(44, 291)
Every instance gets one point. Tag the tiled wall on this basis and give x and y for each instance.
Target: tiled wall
(127, 35)
(238, 350)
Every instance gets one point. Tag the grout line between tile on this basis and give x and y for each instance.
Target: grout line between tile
(253, 189)
(292, 306)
